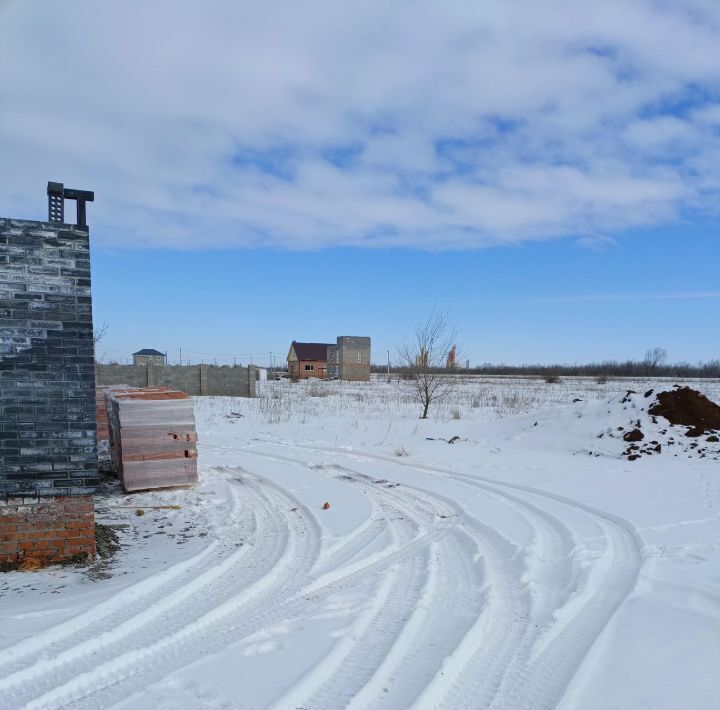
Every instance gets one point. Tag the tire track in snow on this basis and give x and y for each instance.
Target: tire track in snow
(352, 660)
(499, 631)
(450, 581)
(344, 550)
(490, 634)
(452, 600)
(350, 547)
(113, 612)
(543, 682)
(542, 673)
(493, 662)
(540, 680)
(398, 647)
(158, 640)
(287, 600)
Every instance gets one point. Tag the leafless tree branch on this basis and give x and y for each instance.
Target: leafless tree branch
(654, 358)
(424, 361)
(100, 332)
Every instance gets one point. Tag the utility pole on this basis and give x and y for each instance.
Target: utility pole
(388, 364)
(181, 356)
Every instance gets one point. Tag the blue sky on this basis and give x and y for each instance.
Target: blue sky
(547, 173)
(543, 302)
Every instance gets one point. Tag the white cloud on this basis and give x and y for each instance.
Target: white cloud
(305, 125)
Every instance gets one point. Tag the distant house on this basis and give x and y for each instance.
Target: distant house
(148, 356)
(347, 359)
(308, 360)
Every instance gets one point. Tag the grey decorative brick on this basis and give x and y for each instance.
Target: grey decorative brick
(47, 383)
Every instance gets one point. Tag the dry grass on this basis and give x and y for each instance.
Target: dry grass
(474, 398)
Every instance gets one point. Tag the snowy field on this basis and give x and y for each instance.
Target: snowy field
(526, 565)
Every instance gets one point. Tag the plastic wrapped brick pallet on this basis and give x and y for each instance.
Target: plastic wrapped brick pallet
(153, 437)
(103, 433)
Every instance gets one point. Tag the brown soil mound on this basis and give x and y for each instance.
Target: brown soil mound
(687, 407)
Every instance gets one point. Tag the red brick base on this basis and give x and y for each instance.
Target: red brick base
(46, 529)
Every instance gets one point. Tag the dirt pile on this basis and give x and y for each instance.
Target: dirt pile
(687, 407)
(680, 422)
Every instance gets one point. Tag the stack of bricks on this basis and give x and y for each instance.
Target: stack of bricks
(103, 426)
(47, 529)
(153, 441)
(114, 432)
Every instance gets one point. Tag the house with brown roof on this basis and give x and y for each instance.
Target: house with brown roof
(347, 359)
(308, 360)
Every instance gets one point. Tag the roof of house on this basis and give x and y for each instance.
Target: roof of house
(149, 351)
(311, 351)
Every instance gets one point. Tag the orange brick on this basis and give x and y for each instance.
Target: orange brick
(76, 525)
(48, 521)
(35, 535)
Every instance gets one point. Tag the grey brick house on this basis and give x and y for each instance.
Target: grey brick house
(349, 359)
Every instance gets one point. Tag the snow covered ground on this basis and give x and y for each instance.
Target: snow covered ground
(526, 565)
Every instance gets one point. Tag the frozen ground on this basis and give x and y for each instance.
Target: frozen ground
(527, 565)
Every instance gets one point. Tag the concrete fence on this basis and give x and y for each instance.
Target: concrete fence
(192, 379)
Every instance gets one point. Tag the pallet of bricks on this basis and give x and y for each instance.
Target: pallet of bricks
(103, 426)
(153, 441)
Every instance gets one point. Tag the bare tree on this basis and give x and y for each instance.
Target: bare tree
(424, 360)
(100, 332)
(654, 358)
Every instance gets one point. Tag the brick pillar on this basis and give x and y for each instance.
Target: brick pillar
(151, 375)
(48, 451)
(203, 379)
(46, 529)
